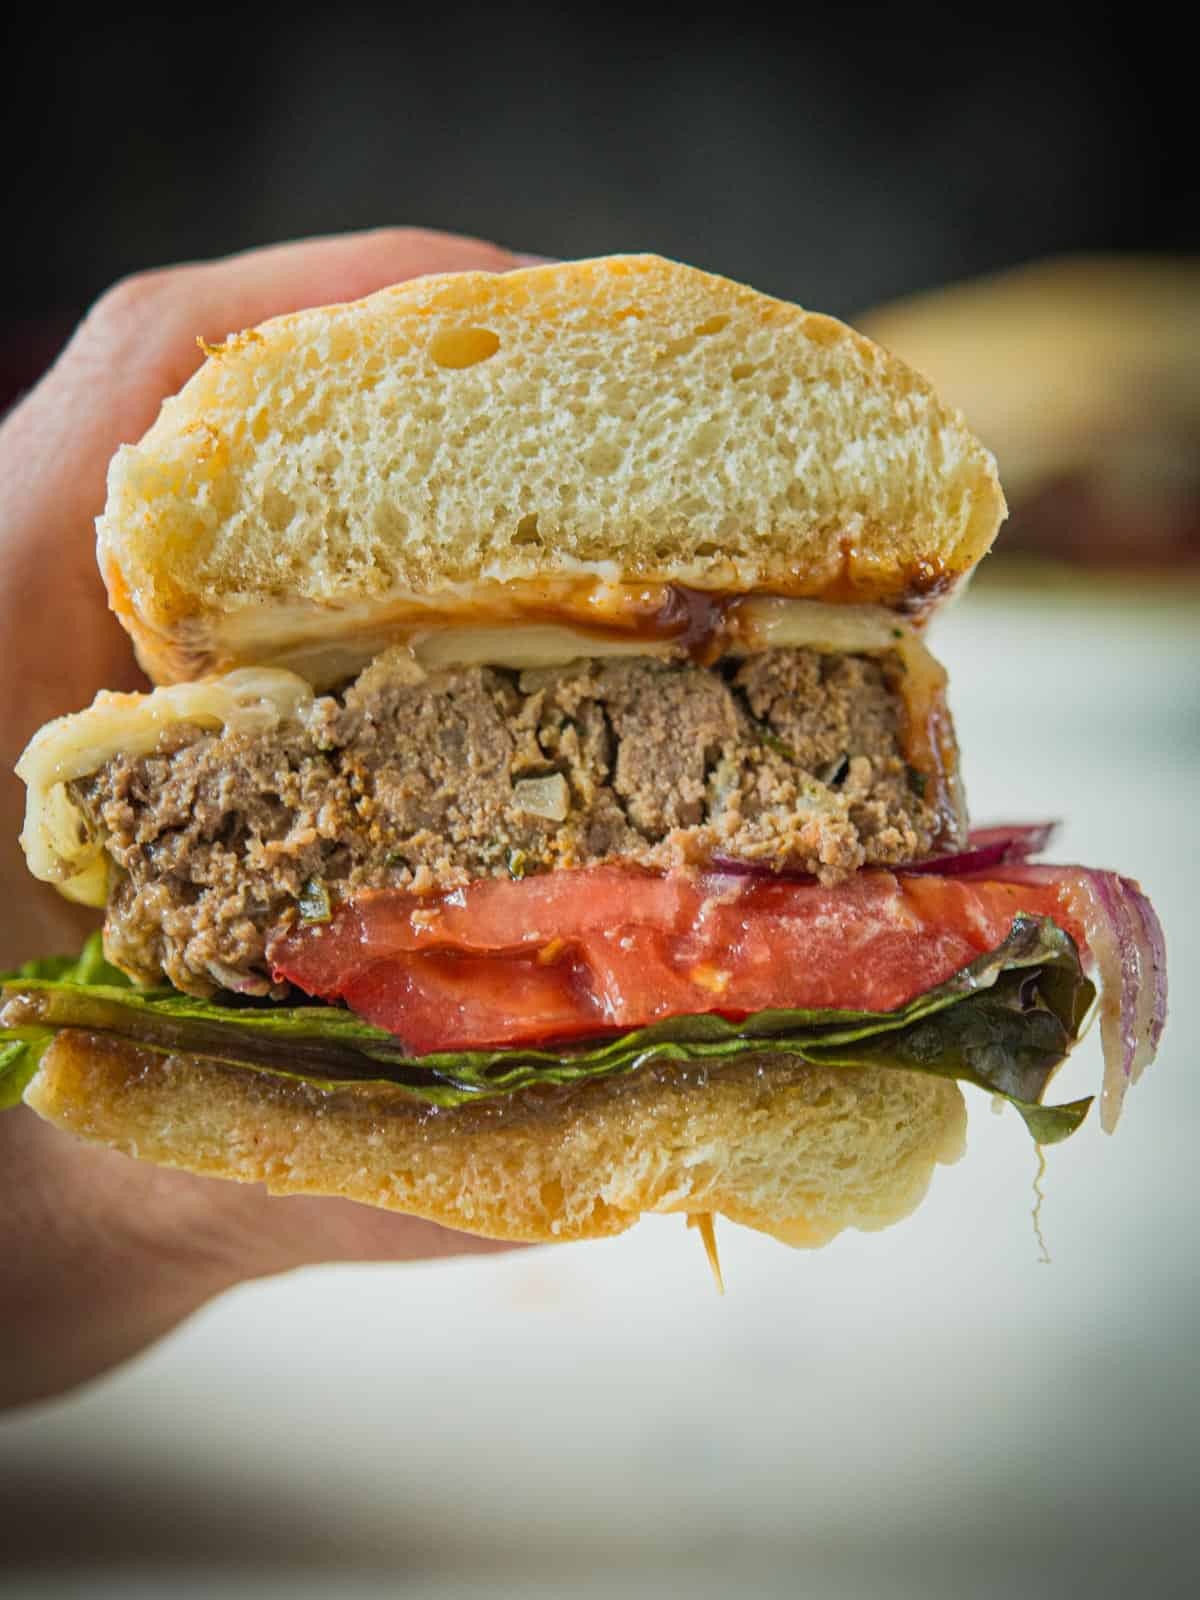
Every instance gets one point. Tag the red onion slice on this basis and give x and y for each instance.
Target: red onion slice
(990, 847)
(1156, 940)
(1127, 941)
(734, 867)
(1022, 839)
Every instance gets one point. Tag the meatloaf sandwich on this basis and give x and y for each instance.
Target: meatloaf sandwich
(549, 810)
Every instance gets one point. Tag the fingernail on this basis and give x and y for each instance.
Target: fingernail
(524, 260)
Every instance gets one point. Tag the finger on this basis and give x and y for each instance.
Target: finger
(325, 1230)
(253, 1234)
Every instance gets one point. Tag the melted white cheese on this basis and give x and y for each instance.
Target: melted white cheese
(57, 842)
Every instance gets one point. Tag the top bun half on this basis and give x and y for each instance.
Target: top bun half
(481, 447)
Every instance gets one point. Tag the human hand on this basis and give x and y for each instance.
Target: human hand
(100, 1255)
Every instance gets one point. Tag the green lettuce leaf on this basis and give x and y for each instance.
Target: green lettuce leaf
(1004, 1023)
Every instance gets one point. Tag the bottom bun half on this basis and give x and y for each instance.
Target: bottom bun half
(796, 1151)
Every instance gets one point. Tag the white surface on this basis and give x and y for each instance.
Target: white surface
(926, 1411)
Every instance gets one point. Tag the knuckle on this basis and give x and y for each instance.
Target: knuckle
(131, 297)
(434, 249)
(133, 315)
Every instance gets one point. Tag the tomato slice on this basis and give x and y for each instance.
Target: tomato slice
(570, 955)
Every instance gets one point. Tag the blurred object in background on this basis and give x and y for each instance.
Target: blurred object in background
(1082, 374)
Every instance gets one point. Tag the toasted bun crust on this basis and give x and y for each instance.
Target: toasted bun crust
(1078, 364)
(796, 1151)
(466, 443)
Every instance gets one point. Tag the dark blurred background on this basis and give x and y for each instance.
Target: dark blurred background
(841, 158)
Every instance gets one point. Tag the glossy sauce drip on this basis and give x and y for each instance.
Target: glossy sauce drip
(923, 584)
(701, 621)
(697, 622)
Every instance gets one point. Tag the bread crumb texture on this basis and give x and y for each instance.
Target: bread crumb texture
(626, 418)
(796, 1151)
